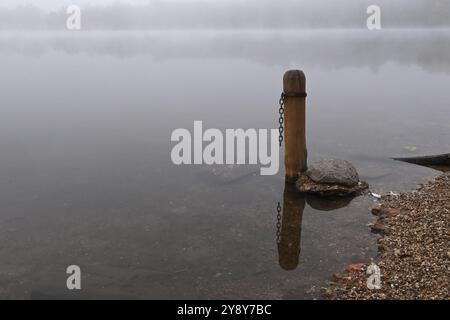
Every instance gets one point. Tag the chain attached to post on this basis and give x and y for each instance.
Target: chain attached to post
(278, 223)
(280, 140)
(281, 102)
(281, 119)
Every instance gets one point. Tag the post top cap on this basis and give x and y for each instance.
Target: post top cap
(294, 73)
(294, 81)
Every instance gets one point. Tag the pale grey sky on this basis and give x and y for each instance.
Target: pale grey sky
(53, 5)
(224, 13)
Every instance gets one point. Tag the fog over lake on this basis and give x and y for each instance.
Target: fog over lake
(86, 118)
(223, 14)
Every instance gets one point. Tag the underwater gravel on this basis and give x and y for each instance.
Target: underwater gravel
(414, 248)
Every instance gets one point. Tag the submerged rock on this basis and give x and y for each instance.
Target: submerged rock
(228, 174)
(331, 178)
(331, 171)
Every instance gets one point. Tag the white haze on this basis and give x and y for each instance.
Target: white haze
(230, 14)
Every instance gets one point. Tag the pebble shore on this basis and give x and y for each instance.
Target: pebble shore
(414, 248)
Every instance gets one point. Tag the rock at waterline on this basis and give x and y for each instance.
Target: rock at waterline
(331, 171)
(334, 178)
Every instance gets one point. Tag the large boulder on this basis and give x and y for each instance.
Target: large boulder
(330, 171)
(331, 178)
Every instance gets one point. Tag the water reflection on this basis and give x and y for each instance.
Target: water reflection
(289, 244)
(328, 204)
(289, 222)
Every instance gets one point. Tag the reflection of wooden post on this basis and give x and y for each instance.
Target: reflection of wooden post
(291, 228)
(295, 158)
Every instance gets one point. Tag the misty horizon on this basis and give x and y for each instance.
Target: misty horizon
(231, 15)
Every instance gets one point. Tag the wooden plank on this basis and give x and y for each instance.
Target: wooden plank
(439, 162)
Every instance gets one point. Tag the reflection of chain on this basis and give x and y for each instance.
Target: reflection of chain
(279, 222)
(281, 119)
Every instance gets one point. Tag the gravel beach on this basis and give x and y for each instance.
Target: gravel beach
(414, 248)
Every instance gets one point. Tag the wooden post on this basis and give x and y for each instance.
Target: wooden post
(295, 153)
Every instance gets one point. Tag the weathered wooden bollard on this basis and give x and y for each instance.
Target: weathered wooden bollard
(295, 153)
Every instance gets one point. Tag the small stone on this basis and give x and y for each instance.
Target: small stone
(384, 213)
(392, 213)
(340, 279)
(376, 211)
(378, 227)
(328, 293)
(357, 267)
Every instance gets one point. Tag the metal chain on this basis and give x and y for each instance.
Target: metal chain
(281, 112)
(281, 119)
(280, 140)
(278, 223)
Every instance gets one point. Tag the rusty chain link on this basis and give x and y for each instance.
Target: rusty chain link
(278, 223)
(281, 119)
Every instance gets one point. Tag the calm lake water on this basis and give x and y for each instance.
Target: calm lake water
(86, 176)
